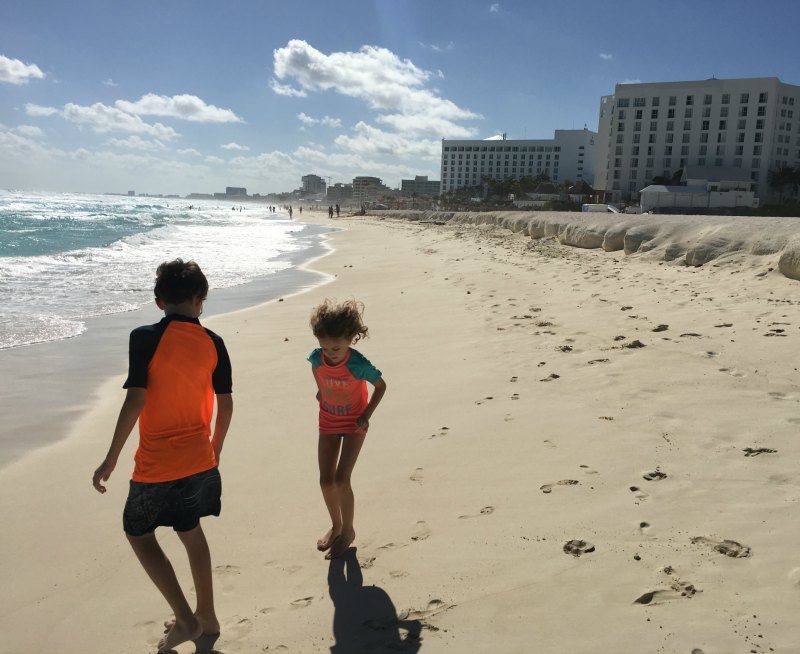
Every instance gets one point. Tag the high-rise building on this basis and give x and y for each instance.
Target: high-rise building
(338, 193)
(570, 155)
(420, 186)
(651, 131)
(235, 192)
(313, 185)
(366, 189)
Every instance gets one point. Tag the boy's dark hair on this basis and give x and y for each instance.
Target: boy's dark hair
(344, 320)
(178, 281)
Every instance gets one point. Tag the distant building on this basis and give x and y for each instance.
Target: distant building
(339, 193)
(313, 185)
(131, 194)
(570, 155)
(648, 132)
(368, 189)
(420, 186)
(235, 192)
(200, 196)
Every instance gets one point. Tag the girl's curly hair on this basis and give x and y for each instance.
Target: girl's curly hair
(342, 320)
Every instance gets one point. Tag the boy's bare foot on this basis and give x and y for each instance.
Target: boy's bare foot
(327, 540)
(180, 633)
(341, 544)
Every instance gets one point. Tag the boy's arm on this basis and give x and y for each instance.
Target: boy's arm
(128, 415)
(224, 415)
(377, 396)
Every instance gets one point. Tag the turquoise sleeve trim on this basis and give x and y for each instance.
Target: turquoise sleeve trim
(315, 358)
(361, 368)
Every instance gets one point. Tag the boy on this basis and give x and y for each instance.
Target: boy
(176, 366)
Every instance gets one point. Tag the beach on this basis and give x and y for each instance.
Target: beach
(579, 451)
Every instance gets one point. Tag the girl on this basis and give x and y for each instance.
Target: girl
(341, 374)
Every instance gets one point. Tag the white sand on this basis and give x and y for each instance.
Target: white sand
(452, 523)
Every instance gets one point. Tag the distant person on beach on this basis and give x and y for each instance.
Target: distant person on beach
(330, 211)
(290, 211)
(301, 211)
(341, 374)
(337, 210)
(175, 369)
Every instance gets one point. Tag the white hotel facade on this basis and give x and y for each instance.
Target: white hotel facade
(570, 155)
(654, 130)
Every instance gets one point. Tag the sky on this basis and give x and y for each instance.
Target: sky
(181, 96)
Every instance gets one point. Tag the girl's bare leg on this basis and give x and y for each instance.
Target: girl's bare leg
(200, 562)
(328, 454)
(351, 448)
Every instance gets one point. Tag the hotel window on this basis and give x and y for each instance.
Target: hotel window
(670, 113)
(701, 161)
(689, 100)
(687, 125)
(670, 125)
(754, 175)
(703, 149)
(654, 101)
(623, 102)
(669, 138)
(653, 125)
(718, 162)
(723, 124)
(684, 150)
(740, 137)
(704, 125)
(636, 138)
(707, 98)
(759, 137)
(634, 163)
(739, 150)
(650, 162)
(723, 112)
(741, 124)
(726, 98)
(704, 137)
(633, 174)
(638, 115)
(706, 112)
(720, 150)
(668, 150)
(618, 150)
(686, 137)
(760, 124)
(673, 99)
(651, 138)
(743, 110)
(667, 163)
(650, 150)
(653, 114)
(632, 187)
(634, 151)
(648, 174)
(744, 98)
(687, 113)
(621, 114)
(638, 102)
(762, 111)
(737, 163)
(762, 97)
(756, 150)
(721, 137)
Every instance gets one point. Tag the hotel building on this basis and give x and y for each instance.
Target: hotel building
(570, 155)
(712, 126)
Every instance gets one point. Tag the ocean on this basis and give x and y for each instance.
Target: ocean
(77, 274)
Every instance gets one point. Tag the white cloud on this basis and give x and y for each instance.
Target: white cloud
(437, 47)
(30, 131)
(214, 160)
(605, 56)
(102, 118)
(371, 140)
(285, 89)
(185, 107)
(310, 154)
(110, 82)
(328, 121)
(494, 8)
(15, 71)
(377, 76)
(38, 110)
(234, 146)
(191, 151)
(137, 143)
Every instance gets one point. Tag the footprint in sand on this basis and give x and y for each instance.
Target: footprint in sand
(443, 431)
(593, 361)
(656, 475)
(549, 443)
(397, 574)
(551, 377)
(564, 348)
(422, 531)
(515, 396)
(434, 606)
(724, 324)
(677, 590)
(578, 547)
(417, 476)
(548, 488)
(755, 451)
(486, 510)
(587, 470)
(226, 575)
(645, 529)
(634, 345)
(776, 395)
(727, 547)
(302, 602)
(513, 379)
(485, 399)
(660, 328)
(732, 373)
(638, 493)
(366, 562)
(236, 628)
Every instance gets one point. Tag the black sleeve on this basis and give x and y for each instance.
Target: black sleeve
(222, 377)
(143, 344)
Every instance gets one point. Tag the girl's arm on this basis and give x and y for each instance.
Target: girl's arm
(224, 415)
(375, 400)
(128, 415)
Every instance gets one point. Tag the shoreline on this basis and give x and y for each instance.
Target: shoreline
(508, 381)
(71, 383)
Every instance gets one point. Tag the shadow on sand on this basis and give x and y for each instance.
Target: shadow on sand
(364, 618)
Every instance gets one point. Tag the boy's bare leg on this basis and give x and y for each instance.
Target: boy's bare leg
(351, 447)
(160, 570)
(328, 453)
(199, 555)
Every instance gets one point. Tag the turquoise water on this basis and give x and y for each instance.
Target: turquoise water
(65, 257)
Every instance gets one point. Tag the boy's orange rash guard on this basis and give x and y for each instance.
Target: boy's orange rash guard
(181, 365)
(343, 390)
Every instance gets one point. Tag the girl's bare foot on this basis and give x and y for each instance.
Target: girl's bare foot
(341, 544)
(327, 540)
(180, 633)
